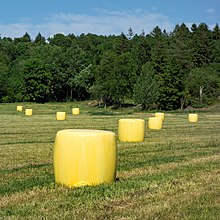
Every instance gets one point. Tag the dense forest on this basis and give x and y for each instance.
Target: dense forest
(158, 70)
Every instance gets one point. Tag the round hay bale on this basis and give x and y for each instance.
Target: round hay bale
(28, 111)
(155, 123)
(19, 108)
(160, 115)
(75, 111)
(60, 116)
(84, 157)
(193, 117)
(131, 130)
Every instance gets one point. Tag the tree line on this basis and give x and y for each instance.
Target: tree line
(156, 70)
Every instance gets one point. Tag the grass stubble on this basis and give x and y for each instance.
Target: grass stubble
(173, 174)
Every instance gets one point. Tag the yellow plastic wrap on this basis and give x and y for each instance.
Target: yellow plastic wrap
(28, 111)
(160, 115)
(19, 108)
(155, 123)
(84, 157)
(75, 111)
(131, 130)
(193, 117)
(60, 116)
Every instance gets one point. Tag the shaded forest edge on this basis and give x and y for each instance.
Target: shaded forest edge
(159, 70)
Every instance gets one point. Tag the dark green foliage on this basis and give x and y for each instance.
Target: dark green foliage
(24, 39)
(203, 85)
(202, 45)
(83, 81)
(40, 39)
(146, 90)
(109, 68)
(37, 81)
(114, 78)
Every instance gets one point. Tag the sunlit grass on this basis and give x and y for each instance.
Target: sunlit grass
(173, 174)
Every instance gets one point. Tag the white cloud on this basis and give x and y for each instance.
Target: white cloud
(103, 23)
(210, 10)
(211, 14)
(14, 30)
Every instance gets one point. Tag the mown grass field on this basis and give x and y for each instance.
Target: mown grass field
(173, 174)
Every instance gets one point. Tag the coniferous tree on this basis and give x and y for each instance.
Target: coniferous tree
(39, 39)
(130, 33)
(26, 38)
(202, 45)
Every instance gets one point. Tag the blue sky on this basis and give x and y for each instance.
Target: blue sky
(104, 17)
